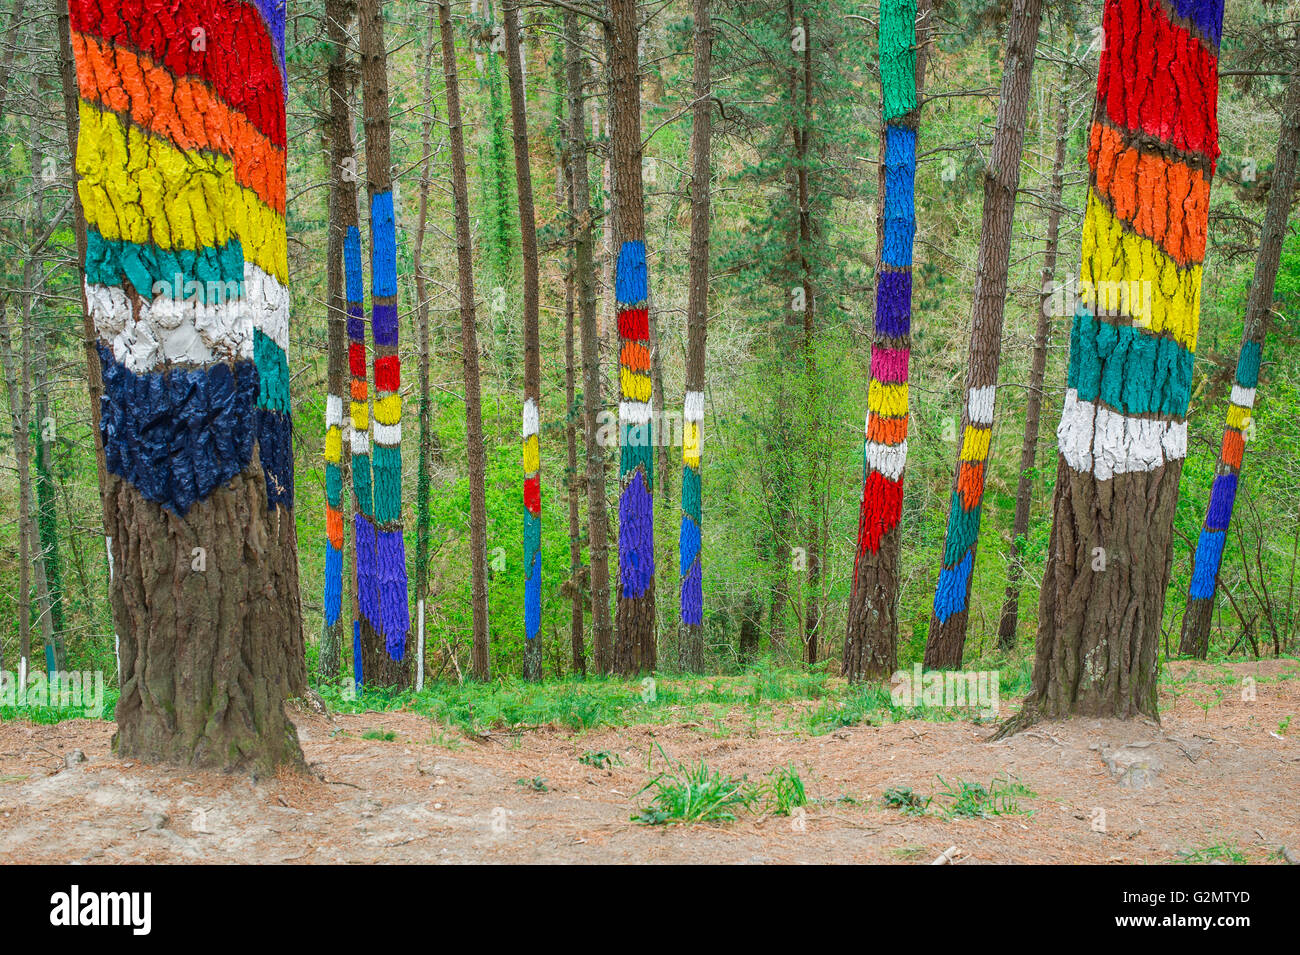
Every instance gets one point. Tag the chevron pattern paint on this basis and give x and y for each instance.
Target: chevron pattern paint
(885, 446)
(1152, 152)
(636, 561)
(181, 172)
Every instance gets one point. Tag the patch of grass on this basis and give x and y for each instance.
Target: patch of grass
(537, 784)
(685, 795)
(970, 800)
(906, 801)
(1215, 852)
(783, 791)
(600, 759)
(386, 736)
(48, 715)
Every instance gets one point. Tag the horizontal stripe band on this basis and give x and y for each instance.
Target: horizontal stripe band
(1095, 440)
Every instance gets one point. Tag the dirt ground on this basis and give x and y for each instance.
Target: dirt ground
(1220, 772)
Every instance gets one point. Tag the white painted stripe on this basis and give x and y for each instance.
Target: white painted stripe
(530, 417)
(693, 406)
(888, 459)
(1243, 397)
(333, 410)
(389, 435)
(187, 331)
(360, 442)
(1097, 440)
(635, 412)
(979, 402)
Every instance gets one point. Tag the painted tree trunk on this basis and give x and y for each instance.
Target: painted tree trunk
(947, 637)
(1195, 639)
(389, 581)
(190, 314)
(342, 222)
(475, 452)
(697, 320)
(870, 646)
(1007, 625)
(1123, 431)
(602, 644)
(532, 510)
(635, 621)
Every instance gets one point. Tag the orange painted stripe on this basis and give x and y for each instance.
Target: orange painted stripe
(334, 527)
(1234, 446)
(1164, 200)
(970, 484)
(183, 109)
(886, 430)
(635, 356)
(358, 389)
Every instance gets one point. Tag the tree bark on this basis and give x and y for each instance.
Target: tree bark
(475, 451)
(1108, 558)
(697, 320)
(18, 384)
(947, 639)
(384, 658)
(571, 479)
(205, 588)
(635, 621)
(1034, 403)
(597, 506)
(532, 515)
(1195, 637)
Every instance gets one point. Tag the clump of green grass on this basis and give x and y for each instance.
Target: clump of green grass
(685, 795)
(783, 791)
(537, 784)
(381, 734)
(600, 759)
(1215, 852)
(976, 801)
(906, 801)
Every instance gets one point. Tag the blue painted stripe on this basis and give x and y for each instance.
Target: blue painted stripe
(352, 265)
(894, 304)
(1209, 555)
(1222, 495)
(900, 178)
(333, 583)
(631, 284)
(1207, 15)
(636, 541)
(275, 451)
(390, 573)
(950, 595)
(689, 544)
(383, 324)
(383, 238)
(533, 599)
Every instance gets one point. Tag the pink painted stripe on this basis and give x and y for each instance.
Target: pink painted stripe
(889, 365)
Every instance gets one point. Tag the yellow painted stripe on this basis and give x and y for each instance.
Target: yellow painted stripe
(532, 457)
(887, 400)
(691, 444)
(1238, 417)
(389, 410)
(360, 416)
(975, 443)
(333, 445)
(635, 387)
(1133, 276)
(143, 189)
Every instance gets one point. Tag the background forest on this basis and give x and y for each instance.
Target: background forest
(782, 479)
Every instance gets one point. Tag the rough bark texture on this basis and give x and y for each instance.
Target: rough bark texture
(532, 516)
(18, 384)
(871, 638)
(635, 620)
(947, 636)
(597, 513)
(697, 321)
(1034, 403)
(384, 659)
(1123, 431)
(205, 582)
(572, 482)
(469, 347)
(1195, 638)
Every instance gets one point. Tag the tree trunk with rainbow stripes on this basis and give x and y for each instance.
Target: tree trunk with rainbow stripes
(947, 638)
(181, 173)
(1123, 432)
(1195, 639)
(870, 644)
(635, 617)
(390, 616)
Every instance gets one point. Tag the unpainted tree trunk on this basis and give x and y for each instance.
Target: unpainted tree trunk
(475, 451)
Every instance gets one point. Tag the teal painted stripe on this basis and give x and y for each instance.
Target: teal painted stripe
(1128, 370)
(361, 483)
(1248, 364)
(387, 465)
(963, 531)
(111, 262)
(272, 371)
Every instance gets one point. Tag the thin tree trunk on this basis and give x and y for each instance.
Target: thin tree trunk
(18, 383)
(871, 637)
(697, 321)
(597, 506)
(1101, 608)
(428, 438)
(571, 480)
(947, 639)
(1034, 404)
(532, 515)
(385, 657)
(1195, 638)
(469, 347)
(205, 585)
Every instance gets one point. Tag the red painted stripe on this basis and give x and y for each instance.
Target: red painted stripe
(882, 506)
(357, 360)
(1159, 79)
(634, 323)
(239, 58)
(388, 373)
(533, 494)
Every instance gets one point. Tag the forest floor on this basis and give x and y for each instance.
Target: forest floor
(1216, 782)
